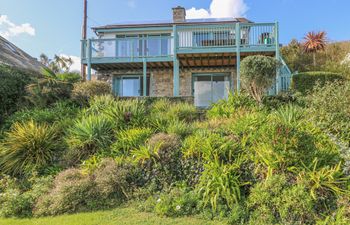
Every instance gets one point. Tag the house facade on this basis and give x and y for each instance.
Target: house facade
(199, 58)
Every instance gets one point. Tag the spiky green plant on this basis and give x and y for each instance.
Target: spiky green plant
(145, 153)
(28, 146)
(89, 135)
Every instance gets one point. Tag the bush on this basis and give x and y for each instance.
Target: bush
(258, 74)
(89, 135)
(12, 89)
(82, 92)
(29, 146)
(69, 77)
(57, 113)
(329, 109)
(305, 82)
(130, 139)
(73, 191)
(274, 201)
(19, 202)
(179, 201)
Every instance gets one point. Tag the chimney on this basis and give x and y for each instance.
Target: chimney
(179, 14)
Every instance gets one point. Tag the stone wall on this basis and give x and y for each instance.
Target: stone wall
(161, 84)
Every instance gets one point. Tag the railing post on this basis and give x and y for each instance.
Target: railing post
(144, 77)
(277, 43)
(89, 56)
(238, 56)
(176, 65)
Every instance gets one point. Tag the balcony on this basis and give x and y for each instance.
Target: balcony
(189, 39)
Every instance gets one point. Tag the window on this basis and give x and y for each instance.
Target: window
(130, 85)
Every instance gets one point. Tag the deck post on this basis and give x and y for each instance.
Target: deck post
(144, 77)
(238, 56)
(89, 56)
(277, 55)
(176, 65)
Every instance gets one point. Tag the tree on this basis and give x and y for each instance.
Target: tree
(315, 42)
(258, 74)
(59, 64)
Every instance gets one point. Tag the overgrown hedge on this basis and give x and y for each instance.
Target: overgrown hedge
(12, 89)
(304, 82)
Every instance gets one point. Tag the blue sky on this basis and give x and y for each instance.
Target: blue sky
(54, 26)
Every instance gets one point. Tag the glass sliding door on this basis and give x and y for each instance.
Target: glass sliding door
(209, 88)
(129, 85)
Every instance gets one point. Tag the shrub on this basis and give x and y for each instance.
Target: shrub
(19, 202)
(82, 92)
(28, 146)
(274, 201)
(128, 113)
(227, 108)
(73, 191)
(306, 81)
(88, 136)
(258, 74)
(161, 159)
(57, 113)
(179, 201)
(69, 77)
(130, 139)
(329, 109)
(12, 89)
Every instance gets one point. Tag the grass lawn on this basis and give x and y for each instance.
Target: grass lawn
(129, 216)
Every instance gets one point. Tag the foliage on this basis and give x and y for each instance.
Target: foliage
(28, 146)
(274, 201)
(87, 136)
(294, 56)
(258, 74)
(329, 109)
(58, 64)
(314, 42)
(73, 191)
(227, 108)
(12, 85)
(82, 92)
(71, 77)
(130, 139)
(179, 201)
(305, 82)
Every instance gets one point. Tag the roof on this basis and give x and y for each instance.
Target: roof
(13, 56)
(165, 23)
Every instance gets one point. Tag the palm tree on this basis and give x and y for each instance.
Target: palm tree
(315, 42)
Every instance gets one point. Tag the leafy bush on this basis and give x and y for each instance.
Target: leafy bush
(89, 135)
(19, 202)
(69, 77)
(12, 89)
(28, 146)
(82, 92)
(228, 108)
(179, 201)
(329, 109)
(274, 201)
(305, 82)
(258, 74)
(130, 139)
(73, 191)
(57, 113)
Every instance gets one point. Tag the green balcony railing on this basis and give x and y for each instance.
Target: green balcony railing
(189, 39)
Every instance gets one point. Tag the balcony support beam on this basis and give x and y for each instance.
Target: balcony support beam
(238, 55)
(144, 77)
(89, 56)
(277, 43)
(176, 65)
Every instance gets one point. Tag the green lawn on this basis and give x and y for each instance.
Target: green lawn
(118, 216)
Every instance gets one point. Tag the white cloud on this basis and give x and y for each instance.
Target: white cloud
(219, 9)
(9, 29)
(76, 66)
